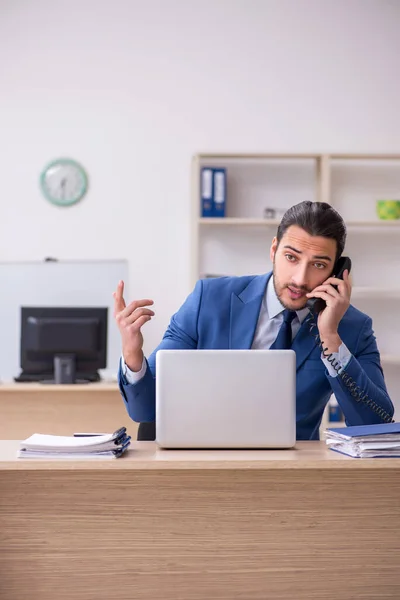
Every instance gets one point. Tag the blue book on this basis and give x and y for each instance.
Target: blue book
(361, 431)
(207, 192)
(219, 192)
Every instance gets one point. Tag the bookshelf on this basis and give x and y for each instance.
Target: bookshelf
(239, 243)
(237, 221)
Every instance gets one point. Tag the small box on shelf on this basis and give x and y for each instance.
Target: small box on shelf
(388, 210)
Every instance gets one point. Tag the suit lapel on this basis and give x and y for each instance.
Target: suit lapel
(245, 309)
(304, 342)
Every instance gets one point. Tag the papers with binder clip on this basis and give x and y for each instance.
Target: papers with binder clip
(366, 441)
(79, 446)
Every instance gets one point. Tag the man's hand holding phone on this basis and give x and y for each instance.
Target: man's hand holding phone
(336, 293)
(130, 319)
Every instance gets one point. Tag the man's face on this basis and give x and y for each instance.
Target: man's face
(301, 263)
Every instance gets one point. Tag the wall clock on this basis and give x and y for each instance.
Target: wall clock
(63, 182)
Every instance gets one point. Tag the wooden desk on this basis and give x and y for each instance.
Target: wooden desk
(304, 524)
(27, 408)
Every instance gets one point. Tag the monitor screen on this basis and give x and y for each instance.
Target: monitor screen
(63, 342)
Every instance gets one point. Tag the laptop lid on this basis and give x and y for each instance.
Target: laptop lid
(226, 398)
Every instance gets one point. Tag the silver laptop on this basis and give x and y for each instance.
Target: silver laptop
(226, 398)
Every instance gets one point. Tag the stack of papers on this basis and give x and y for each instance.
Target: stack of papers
(103, 446)
(366, 441)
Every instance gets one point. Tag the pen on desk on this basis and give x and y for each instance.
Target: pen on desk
(116, 435)
(88, 434)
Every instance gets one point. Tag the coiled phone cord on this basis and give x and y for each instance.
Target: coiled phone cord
(355, 391)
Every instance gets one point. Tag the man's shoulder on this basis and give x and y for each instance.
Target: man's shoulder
(354, 318)
(230, 284)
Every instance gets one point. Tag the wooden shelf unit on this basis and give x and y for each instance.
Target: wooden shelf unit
(238, 244)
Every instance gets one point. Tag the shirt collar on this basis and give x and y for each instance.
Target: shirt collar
(274, 305)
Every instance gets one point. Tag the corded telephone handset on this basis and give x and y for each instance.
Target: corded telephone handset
(316, 305)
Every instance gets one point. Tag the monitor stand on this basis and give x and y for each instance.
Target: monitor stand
(64, 368)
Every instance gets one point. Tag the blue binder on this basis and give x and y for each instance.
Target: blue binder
(219, 192)
(367, 430)
(207, 192)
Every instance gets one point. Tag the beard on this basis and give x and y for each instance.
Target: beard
(279, 287)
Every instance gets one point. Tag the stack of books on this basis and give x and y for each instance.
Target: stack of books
(78, 446)
(366, 441)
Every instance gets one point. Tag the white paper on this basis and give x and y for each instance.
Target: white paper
(66, 455)
(64, 441)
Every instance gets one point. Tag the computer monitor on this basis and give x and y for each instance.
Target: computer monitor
(63, 344)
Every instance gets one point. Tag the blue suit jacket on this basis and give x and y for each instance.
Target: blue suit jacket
(223, 312)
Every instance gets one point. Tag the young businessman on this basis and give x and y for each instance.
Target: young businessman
(258, 311)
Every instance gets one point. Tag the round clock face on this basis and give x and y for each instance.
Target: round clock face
(64, 182)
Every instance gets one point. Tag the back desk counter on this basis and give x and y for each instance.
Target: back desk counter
(195, 525)
(27, 408)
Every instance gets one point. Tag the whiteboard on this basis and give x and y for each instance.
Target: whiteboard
(59, 283)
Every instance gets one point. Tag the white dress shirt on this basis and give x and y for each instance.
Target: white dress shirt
(268, 325)
(270, 319)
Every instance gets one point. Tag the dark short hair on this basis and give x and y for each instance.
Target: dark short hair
(316, 218)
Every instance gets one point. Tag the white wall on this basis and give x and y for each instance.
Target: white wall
(133, 89)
